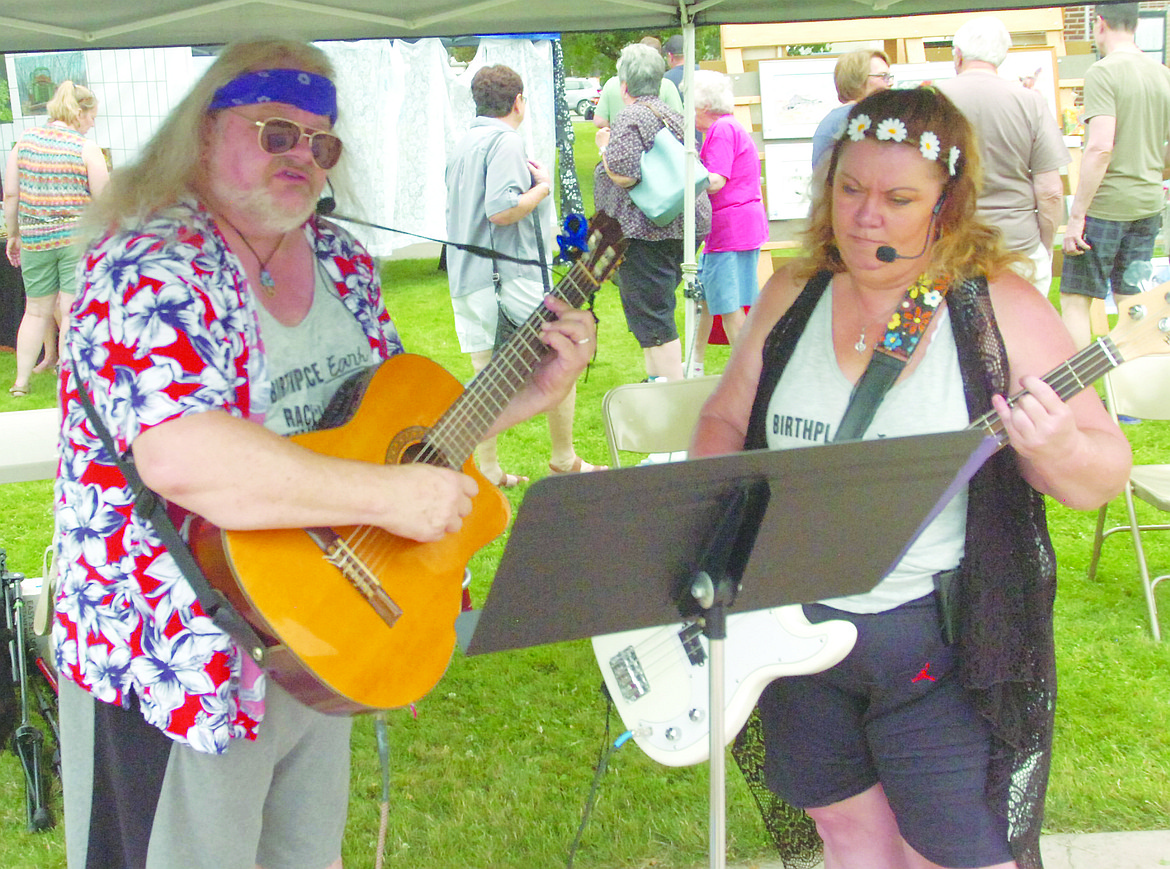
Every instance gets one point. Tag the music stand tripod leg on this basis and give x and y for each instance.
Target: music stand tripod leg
(713, 590)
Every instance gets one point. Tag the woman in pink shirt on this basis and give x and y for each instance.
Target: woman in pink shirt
(739, 224)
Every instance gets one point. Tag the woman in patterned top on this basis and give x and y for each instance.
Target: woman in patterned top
(53, 172)
(652, 268)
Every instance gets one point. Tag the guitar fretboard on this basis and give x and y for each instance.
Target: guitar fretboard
(1067, 379)
(454, 437)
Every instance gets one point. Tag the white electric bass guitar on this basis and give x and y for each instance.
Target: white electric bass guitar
(657, 677)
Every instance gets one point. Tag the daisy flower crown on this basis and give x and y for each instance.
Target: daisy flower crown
(894, 130)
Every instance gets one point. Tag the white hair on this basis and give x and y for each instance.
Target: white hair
(984, 38)
(713, 92)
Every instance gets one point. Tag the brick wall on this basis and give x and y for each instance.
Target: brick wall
(1076, 23)
(1078, 20)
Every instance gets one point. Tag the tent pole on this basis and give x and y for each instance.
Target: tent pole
(689, 266)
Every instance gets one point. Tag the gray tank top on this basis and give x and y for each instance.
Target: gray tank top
(308, 362)
(810, 400)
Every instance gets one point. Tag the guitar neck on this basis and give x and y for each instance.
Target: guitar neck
(469, 418)
(1067, 379)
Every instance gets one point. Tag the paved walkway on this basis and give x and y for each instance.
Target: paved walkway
(1148, 850)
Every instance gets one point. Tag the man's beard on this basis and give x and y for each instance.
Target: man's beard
(262, 208)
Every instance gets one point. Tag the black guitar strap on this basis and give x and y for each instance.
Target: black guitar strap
(151, 507)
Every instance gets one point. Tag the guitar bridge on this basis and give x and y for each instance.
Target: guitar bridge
(627, 670)
(338, 553)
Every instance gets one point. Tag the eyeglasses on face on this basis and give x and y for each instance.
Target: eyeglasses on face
(280, 135)
(884, 76)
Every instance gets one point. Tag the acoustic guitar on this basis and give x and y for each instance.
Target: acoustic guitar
(359, 619)
(658, 677)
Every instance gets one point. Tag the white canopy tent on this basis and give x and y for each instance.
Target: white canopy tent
(77, 24)
(50, 25)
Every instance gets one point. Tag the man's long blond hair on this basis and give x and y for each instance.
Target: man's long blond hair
(171, 165)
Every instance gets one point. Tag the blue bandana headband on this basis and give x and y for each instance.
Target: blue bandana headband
(308, 91)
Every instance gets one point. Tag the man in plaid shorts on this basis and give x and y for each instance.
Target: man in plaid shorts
(1117, 210)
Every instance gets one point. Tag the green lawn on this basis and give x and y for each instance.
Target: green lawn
(493, 767)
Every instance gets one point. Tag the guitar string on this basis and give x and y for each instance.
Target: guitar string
(463, 439)
(1080, 371)
(460, 429)
(661, 648)
(453, 434)
(440, 445)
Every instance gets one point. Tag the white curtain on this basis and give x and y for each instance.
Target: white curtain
(403, 108)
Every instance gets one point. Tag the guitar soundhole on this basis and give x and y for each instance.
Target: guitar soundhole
(410, 446)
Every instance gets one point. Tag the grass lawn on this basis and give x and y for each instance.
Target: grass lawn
(493, 767)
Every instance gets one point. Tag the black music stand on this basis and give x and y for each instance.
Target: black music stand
(639, 547)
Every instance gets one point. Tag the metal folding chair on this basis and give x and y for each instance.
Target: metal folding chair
(1140, 388)
(656, 417)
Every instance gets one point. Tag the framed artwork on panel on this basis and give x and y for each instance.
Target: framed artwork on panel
(795, 94)
(787, 175)
(912, 75)
(1035, 67)
(36, 78)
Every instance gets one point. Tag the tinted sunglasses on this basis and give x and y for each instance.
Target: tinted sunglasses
(280, 135)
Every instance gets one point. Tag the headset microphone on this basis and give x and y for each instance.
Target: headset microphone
(887, 254)
(326, 205)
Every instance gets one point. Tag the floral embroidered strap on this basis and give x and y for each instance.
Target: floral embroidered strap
(912, 318)
(906, 327)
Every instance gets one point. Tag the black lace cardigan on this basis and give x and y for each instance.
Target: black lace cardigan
(1007, 587)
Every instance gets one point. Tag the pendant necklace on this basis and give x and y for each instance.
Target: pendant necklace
(860, 345)
(267, 282)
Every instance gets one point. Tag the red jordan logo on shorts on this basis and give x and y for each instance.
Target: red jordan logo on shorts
(924, 673)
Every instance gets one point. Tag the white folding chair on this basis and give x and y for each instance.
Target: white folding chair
(1140, 388)
(656, 417)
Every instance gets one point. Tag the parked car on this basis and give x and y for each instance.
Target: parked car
(581, 93)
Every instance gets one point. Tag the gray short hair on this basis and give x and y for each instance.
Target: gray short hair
(713, 92)
(641, 68)
(984, 38)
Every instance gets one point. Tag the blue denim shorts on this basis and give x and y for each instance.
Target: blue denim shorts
(730, 279)
(892, 712)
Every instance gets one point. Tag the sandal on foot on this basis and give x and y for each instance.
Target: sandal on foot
(18, 391)
(510, 481)
(579, 466)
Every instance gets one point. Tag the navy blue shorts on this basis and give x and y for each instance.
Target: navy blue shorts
(1114, 245)
(892, 712)
(648, 280)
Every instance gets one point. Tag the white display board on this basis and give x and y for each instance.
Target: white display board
(795, 94)
(788, 174)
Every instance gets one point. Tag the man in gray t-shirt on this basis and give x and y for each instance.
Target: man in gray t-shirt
(1020, 144)
(497, 198)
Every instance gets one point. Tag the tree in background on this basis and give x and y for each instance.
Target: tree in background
(595, 53)
(5, 99)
